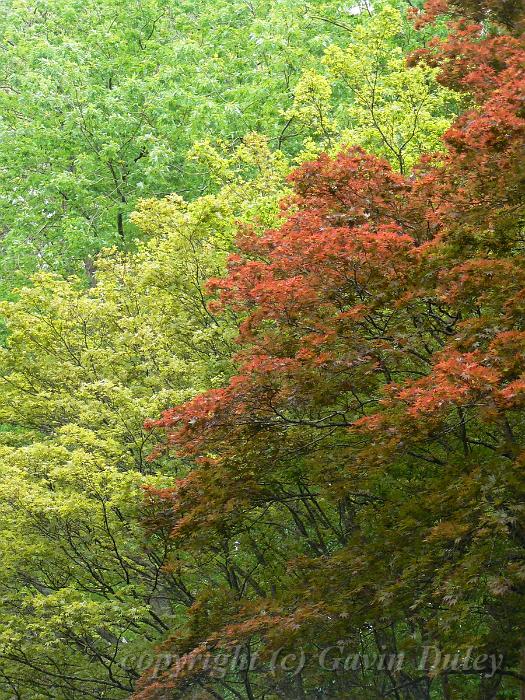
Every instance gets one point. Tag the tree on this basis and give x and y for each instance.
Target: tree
(91, 124)
(101, 102)
(391, 111)
(107, 110)
(363, 468)
(509, 13)
(85, 596)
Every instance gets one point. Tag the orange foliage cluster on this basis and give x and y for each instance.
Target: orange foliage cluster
(380, 383)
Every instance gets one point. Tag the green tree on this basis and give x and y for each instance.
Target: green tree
(101, 101)
(368, 96)
(82, 593)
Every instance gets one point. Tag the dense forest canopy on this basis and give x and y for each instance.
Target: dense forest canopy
(102, 102)
(262, 379)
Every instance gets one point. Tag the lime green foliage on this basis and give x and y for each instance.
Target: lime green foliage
(100, 102)
(371, 98)
(82, 595)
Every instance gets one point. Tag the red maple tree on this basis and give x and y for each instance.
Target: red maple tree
(362, 475)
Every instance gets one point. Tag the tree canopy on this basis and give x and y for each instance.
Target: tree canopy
(102, 102)
(262, 374)
(364, 463)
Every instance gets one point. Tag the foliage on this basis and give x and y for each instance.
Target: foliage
(100, 102)
(508, 13)
(390, 111)
(105, 110)
(363, 467)
(84, 596)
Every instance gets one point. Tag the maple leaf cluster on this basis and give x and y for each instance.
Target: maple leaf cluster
(508, 13)
(364, 466)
